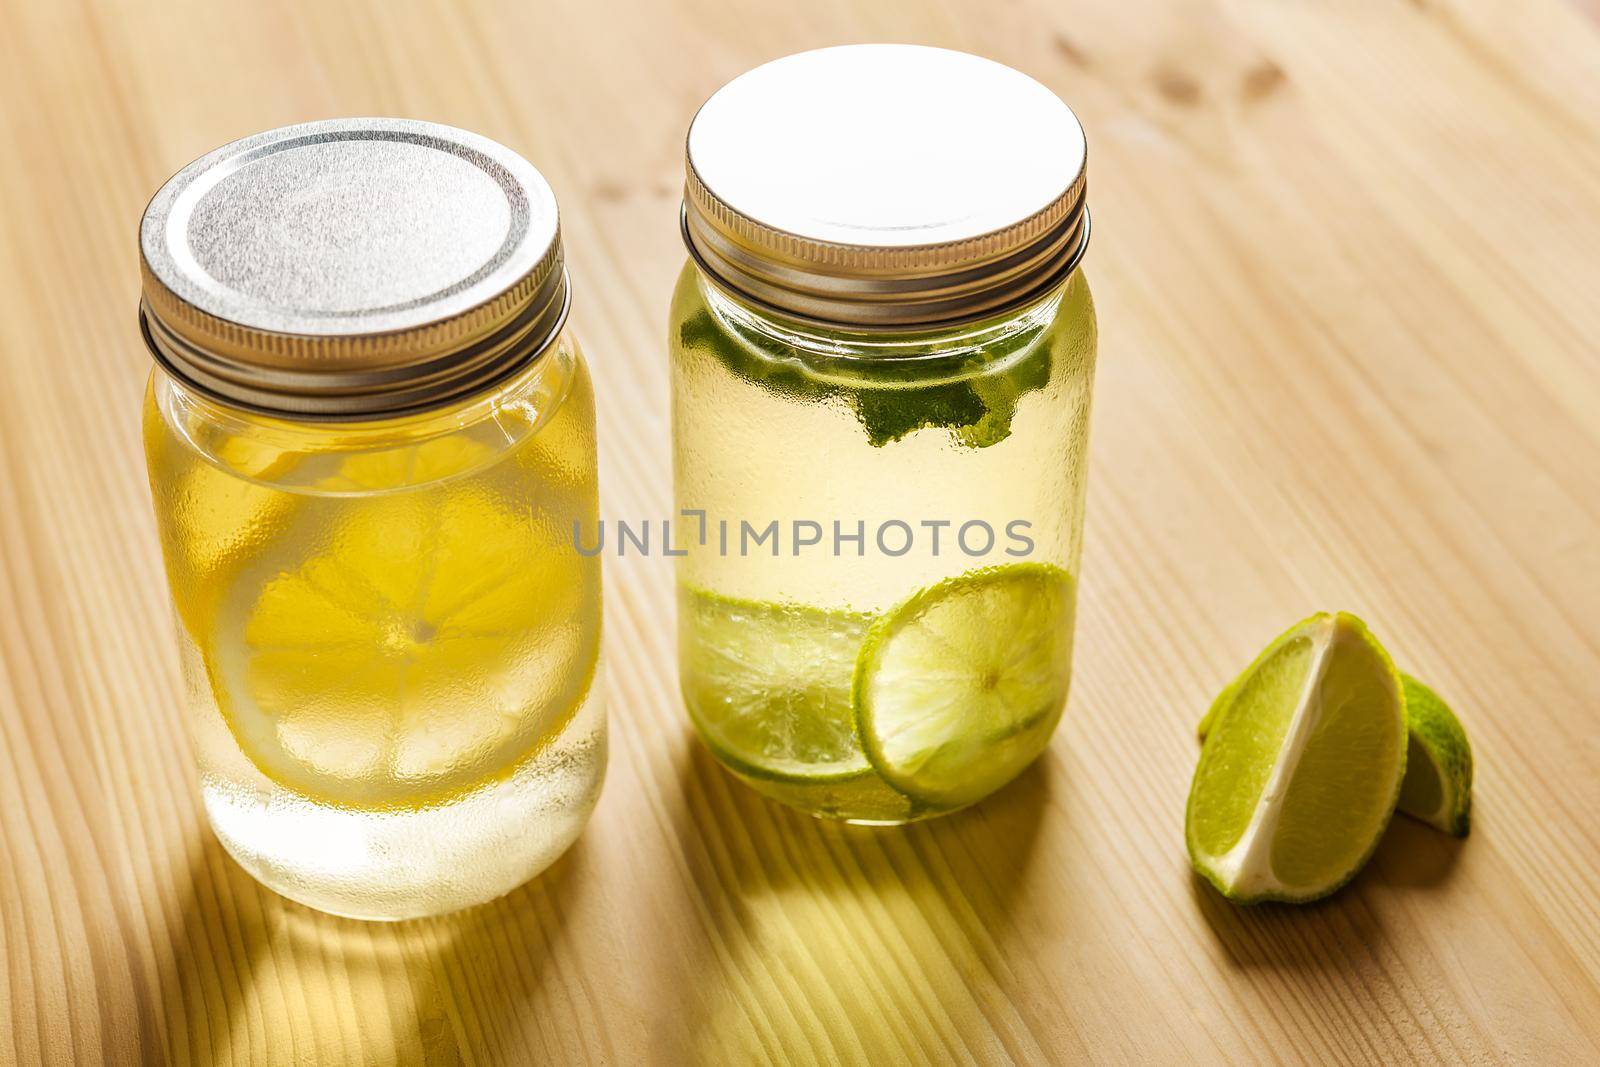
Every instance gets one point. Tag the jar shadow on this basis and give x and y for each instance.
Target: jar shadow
(858, 942)
(250, 976)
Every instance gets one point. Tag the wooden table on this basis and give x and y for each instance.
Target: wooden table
(1347, 259)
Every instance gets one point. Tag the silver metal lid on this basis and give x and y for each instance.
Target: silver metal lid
(886, 186)
(352, 268)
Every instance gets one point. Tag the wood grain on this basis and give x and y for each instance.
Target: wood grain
(1346, 258)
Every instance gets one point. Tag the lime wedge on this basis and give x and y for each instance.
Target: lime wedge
(1437, 788)
(1300, 773)
(768, 685)
(1438, 783)
(959, 688)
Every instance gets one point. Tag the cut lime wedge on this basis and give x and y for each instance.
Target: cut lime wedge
(1300, 772)
(768, 685)
(1438, 783)
(959, 688)
(1437, 788)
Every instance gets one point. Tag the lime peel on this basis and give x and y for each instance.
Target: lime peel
(1438, 784)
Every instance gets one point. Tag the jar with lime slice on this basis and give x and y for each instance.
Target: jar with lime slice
(369, 436)
(882, 358)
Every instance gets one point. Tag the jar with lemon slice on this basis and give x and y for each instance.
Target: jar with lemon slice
(882, 349)
(370, 437)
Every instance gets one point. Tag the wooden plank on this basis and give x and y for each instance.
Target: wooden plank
(1345, 262)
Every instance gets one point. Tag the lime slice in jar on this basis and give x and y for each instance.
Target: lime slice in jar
(959, 688)
(768, 685)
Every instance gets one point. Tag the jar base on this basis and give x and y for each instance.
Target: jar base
(859, 800)
(392, 866)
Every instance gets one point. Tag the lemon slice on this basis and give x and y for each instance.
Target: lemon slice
(214, 511)
(405, 465)
(429, 644)
(959, 688)
(769, 686)
(1301, 770)
(217, 518)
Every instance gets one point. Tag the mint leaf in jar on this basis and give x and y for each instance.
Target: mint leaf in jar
(973, 395)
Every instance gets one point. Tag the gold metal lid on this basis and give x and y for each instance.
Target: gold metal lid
(352, 268)
(886, 186)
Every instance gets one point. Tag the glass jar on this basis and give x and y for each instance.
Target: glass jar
(369, 436)
(882, 362)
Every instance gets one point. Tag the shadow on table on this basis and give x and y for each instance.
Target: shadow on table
(1337, 932)
(253, 978)
(1414, 854)
(824, 935)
